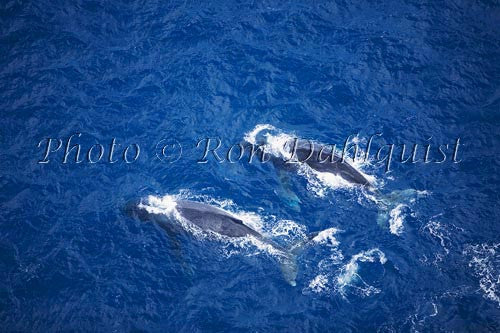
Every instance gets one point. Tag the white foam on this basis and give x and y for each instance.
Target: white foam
(167, 205)
(251, 137)
(160, 205)
(435, 310)
(356, 139)
(349, 273)
(327, 237)
(251, 245)
(437, 230)
(394, 206)
(251, 219)
(330, 262)
(334, 277)
(225, 204)
(321, 182)
(423, 193)
(288, 229)
(396, 219)
(319, 283)
(277, 145)
(486, 264)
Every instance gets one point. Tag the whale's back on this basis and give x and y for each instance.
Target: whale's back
(325, 162)
(207, 217)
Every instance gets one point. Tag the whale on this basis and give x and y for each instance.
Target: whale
(209, 218)
(288, 154)
(319, 159)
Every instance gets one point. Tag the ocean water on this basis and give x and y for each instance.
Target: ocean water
(152, 73)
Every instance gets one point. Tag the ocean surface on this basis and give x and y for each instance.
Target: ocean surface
(161, 75)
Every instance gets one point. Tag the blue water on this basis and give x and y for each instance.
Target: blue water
(140, 72)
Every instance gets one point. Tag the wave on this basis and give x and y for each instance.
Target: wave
(444, 234)
(397, 217)
(485, 261)
(319, 283)
(349, 277)
(334, 275)
(346, 279)
(327, 237)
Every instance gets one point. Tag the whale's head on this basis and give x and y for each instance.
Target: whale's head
(133, 210)
(161, 211)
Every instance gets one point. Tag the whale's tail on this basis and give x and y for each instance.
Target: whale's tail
(286, 193)
(289, 268)
(288, 259)
(388, 202)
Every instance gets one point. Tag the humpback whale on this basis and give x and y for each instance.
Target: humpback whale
(213, 219)
(315, 156)
(330, 162)
(290, 154)
(287, 154)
